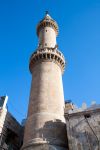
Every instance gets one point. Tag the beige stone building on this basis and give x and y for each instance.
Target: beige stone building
(11, 132)
(83, 128)
(51, 123)
(45, 126)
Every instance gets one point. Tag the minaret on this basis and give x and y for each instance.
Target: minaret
(45, 126)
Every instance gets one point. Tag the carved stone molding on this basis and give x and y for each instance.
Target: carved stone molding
(47, 54)
(47, 22)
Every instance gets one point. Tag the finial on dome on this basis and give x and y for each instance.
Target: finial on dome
(46, 12)
(47, 15)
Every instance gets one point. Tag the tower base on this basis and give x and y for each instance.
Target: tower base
(43, 147)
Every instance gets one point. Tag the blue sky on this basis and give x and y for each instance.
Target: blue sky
(79, 40)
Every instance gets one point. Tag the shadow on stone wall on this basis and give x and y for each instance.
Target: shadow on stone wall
(54, 132)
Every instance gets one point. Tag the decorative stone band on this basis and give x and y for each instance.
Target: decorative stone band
(47, 23)
(39, 142)
(47, 54)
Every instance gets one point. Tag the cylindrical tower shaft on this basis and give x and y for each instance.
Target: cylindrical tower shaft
(45, 126)
(47, 37)
(46, 90)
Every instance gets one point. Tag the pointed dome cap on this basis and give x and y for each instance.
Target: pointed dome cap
(47, 21)
(47, 16)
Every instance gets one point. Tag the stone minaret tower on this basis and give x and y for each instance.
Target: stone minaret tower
(45, 127)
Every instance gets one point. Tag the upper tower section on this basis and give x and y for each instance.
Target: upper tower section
(47, 30)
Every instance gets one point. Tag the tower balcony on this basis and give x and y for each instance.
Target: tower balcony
(47, 54)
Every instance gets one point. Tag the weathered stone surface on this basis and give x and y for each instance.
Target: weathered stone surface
(10, 131)
(83, 130)
(46, 123)
(45, 120)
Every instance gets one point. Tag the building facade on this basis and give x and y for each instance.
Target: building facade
(83, 129)
(11, 132)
